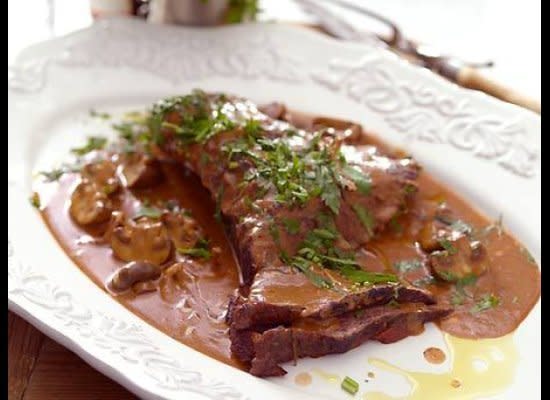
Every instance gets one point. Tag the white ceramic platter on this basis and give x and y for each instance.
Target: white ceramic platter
(487, 150)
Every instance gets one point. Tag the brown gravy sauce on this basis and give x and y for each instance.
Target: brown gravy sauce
(193, 312)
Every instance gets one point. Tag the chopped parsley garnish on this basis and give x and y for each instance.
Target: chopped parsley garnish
(361, 180)
(98, 114)
(94, 143)
(407, 265)
(448, 246)
(486, 302)
(459, 294)
(305, 267)
(241, 11)
(148, 211)
(466, 281)
(35, 200)
(527, 255)
(292, 226)
(365, 217)
(395, 226)
(197, 120)
(448, 276)
(349, 385)
(318, 250)
(200, 250)
(252, 127)
(53, 175)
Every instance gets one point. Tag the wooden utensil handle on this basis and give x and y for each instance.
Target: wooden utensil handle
(473, 79)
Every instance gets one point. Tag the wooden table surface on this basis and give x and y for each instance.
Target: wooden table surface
(41, 369)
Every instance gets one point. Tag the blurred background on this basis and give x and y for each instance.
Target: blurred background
(507, 32)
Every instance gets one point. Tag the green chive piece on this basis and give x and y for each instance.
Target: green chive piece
(349, 385)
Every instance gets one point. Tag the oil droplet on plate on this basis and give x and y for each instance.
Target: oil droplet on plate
(327, 376)
(465, 379)
(434, 355)
(303, 379)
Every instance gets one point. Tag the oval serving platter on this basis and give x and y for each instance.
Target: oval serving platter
(486, 150)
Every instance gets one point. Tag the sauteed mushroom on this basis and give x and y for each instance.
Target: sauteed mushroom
(459, 259)
(141, 240)
(89, 205)
(103, 174)
(132, 273)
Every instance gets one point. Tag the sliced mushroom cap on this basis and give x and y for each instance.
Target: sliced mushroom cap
(141, 171)
(89, 205)
(183, 229)
(128, 275)
(142, 240)
(460, 259)
(103, 174)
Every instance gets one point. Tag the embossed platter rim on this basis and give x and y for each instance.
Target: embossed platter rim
(125, 63)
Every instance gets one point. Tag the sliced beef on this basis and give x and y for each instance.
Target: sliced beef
(265, 350)
(251, 312)
(276, 186)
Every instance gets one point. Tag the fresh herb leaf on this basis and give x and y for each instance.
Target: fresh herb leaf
(242, 10)
(395, 225)
(362, 277)
(486, 302)
(53, 175)
(148, 211)
(94, 143)
(304, 266)
(448, 276)
(252, 127)
(200, 250)
(409, 188)
(35, 200)
(97, 114)
(527, 255)
(365, 217)
(468, 280)
(457, 298)
(349, 385)
(447, 245)
(361, 180)
(292, 226)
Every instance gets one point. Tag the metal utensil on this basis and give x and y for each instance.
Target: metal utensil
(463, 72)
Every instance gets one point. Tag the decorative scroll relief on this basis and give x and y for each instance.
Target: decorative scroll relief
(428, 114)
(173, 56)
(119, 338)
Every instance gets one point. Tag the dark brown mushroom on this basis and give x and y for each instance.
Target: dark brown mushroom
(89, 205)
(141, 240)
(134, 272)
(141, 171)
(103, 175)
(460, 258)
